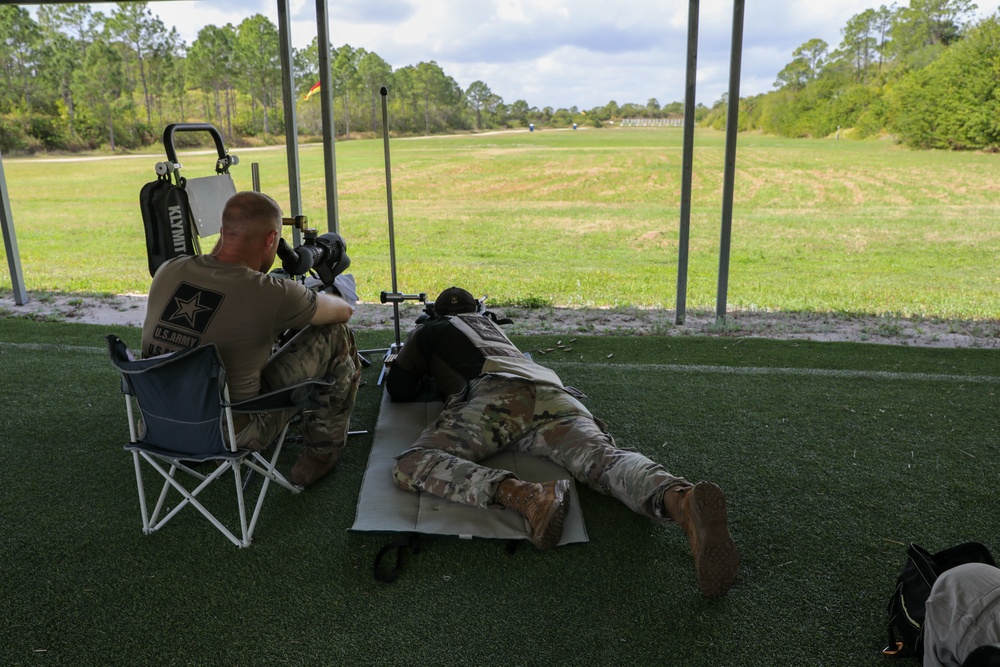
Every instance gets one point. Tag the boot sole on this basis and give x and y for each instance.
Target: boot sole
(552, 527)
(717, 560)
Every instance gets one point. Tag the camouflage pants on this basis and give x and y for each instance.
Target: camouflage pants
(498, 413)
(326, 351)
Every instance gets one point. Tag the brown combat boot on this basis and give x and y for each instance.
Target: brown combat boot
(313, 464)
(543, 505)
(700, 510)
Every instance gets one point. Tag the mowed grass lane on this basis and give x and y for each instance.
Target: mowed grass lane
(581, 218)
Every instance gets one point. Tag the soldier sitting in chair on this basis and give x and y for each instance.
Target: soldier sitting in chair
(228, 298)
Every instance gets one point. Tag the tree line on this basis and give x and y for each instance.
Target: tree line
(924, 74)
(78, 79)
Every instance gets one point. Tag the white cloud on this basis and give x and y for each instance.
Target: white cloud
(189, 17)
(511, 10)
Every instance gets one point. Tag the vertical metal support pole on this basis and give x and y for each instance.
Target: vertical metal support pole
(388, 197)
(329, 131)
(291, 122)
(729, 177)
(10, 243)
(255, 176)
(687, 160)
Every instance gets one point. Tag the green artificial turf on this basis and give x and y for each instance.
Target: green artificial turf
(833, 457)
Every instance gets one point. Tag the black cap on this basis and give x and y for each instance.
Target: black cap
(455, 300)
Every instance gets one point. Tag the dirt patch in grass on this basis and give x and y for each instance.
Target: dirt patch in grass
(130, 310)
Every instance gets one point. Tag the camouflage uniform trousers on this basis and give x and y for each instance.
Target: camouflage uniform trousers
(317, 352)
(499, 413)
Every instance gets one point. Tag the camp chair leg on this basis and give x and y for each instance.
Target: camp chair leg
(175, 465)
(142, 492)
(260, 503)
(154, 519)
(237, 475)
(189, 497)
(270, 474)
(269, 469)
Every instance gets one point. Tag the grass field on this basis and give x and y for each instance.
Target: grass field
(585, 218)
(833, 456)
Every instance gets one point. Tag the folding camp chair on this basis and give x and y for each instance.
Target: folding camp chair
(183, 399)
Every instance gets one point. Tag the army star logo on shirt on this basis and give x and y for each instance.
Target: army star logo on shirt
(188, 312)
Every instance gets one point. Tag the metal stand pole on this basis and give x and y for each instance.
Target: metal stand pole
(329, 130)
(384, 92)
(687, 161)
(729, 177)
(291, 123)
(10, 243)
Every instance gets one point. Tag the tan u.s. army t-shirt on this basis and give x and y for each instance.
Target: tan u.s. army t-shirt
(198, 300)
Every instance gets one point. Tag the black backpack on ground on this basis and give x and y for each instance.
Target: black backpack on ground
(906, 608)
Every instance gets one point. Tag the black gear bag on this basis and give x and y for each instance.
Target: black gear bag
(166, 217)
(176, 210)
(906, 609)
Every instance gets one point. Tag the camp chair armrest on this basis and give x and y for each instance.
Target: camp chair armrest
(294, 396)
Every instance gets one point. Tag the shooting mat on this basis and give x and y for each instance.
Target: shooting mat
(384, 507)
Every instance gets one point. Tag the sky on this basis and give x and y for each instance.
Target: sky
(558, 53)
